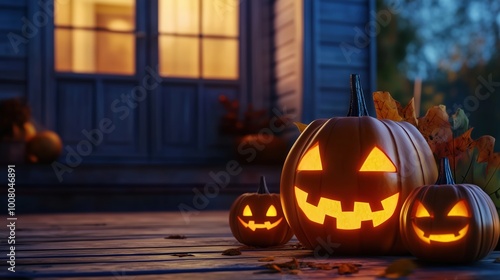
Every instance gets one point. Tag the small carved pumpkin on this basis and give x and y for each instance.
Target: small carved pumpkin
(345, 180)
(448, 222)
(256, 219)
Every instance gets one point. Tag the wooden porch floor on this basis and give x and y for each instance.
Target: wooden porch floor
(134, 246)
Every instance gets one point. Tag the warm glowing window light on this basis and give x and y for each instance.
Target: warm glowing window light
(95, 36)
(199, 39)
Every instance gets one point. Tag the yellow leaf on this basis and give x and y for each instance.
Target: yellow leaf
(266, 259)
(459, 144)
(436, 129)
(300, 126)
(386, 107)
(485, 146)
(408, 112)
(399, 268)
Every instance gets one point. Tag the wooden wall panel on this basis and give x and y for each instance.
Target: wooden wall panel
(74, 110)
(179, 114)
(287, 52)
(12, 90)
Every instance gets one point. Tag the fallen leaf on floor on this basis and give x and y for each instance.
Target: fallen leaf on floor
(347, 268)
(399, 268)
(176, 236)
(321, 266)
(266, 259)
(497, 260)
(181, 255)
(294, 266)
(231, 252)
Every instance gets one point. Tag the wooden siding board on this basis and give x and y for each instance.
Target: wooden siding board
(285, 35)
(6, 48)
(340, 22)
(11, 90)
(13, 68)
(348, 12)
(11, 18)
(335, 32)
(12, 3)
(283, 5)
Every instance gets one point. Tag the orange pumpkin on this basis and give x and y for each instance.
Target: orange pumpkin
(345, 180)
(448, 222)
(256, 219)
(44, 147)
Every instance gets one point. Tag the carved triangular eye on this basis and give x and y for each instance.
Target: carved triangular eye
(311, 159)
(247, 212)
(271, 212)
(377, 161)
(421, 211)
(459, 210)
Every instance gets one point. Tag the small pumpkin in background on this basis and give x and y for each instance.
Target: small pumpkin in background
(44, 147)
(256, 219)
(345, 179)
(448, 222)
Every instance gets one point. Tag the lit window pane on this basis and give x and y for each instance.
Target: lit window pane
(179, 56)
(115, 53)
(220, 17)
(87, 51)
(220, 58)
(96, 13)
(179, 16)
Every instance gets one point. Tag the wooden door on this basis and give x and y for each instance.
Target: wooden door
(138, 81)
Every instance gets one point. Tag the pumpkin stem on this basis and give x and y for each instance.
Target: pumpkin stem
(263, 186)
(357, 107)
(445, 177)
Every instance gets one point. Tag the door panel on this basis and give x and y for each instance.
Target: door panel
(179, 115)
(73, 115)
(116, 103)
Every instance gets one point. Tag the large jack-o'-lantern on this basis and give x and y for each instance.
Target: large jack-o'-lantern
(448, 222)
(345, 179)
(256, 219)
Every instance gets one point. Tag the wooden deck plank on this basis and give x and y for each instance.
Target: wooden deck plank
(133, 246)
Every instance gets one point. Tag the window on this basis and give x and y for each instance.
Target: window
(198, 38)
(95, 36)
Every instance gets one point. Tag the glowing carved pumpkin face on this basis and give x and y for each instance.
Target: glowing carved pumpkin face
(345, 180)
(376, 161)
(267, 225)
(435, 226)
(256, 219)
(448, 222)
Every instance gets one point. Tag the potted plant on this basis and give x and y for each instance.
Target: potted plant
(256, 137)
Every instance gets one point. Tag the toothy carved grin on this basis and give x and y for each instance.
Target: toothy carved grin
(253, 226)
(444, 238)
(348, 220)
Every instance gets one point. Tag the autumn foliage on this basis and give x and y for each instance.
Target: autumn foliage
(473, 160)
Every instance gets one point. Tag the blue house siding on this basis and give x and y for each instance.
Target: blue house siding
(331, 50)
(13, 70)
